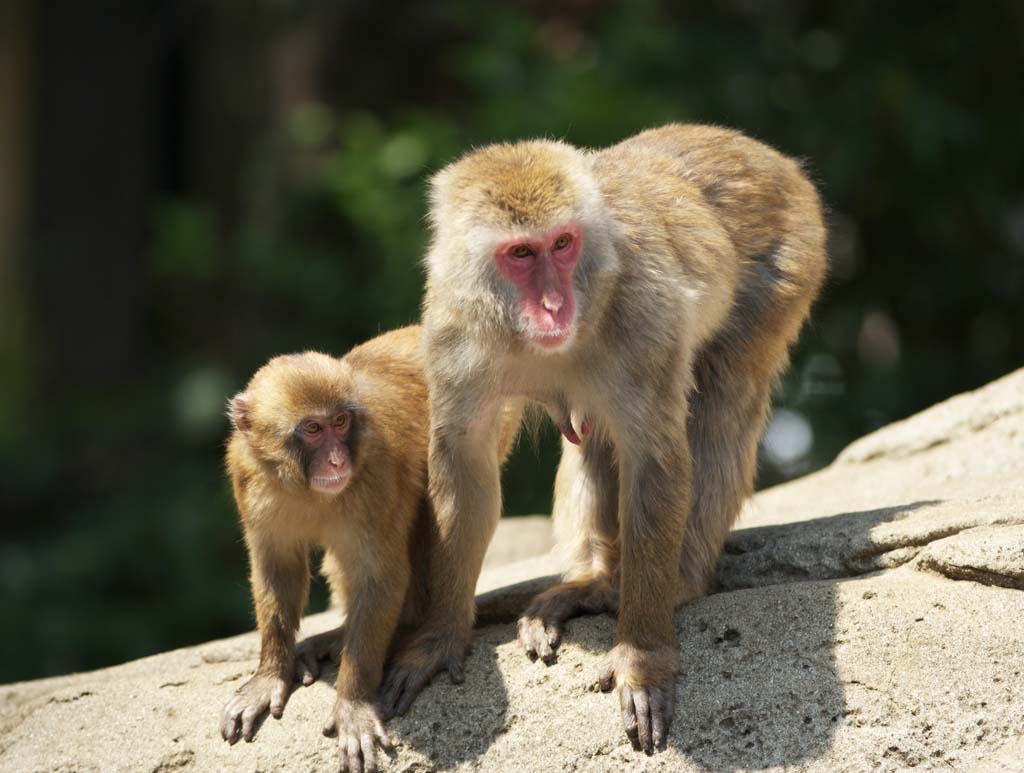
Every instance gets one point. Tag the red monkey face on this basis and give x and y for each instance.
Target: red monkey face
(541, 266)
(325, 451)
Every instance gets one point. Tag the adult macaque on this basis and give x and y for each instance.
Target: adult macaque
(333, 453)
(647, 295)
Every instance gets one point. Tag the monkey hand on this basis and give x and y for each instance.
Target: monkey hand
(359, 731)
(646, 680)
(242, 713)
(315, 650)
(430, 652)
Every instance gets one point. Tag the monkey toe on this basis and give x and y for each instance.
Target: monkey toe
(409, 693)
(647, 714)
(662, 710)
(629, 717)
(391, 693)
(455, 670)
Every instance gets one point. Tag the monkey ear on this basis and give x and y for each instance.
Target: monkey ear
(238, 412)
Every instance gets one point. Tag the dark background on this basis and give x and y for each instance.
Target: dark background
(187, 189)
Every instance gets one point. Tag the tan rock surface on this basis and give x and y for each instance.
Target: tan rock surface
(869, 617)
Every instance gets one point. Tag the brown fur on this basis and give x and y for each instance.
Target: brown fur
(376, 533)
(703, 250)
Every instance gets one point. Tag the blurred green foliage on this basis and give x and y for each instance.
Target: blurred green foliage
(120, 535)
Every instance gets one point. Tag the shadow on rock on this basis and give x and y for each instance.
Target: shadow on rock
(452, 724)
(758, 684)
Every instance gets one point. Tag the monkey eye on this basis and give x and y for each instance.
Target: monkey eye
(563, 241)
(311, 428)
(521, 251)
(342, 420)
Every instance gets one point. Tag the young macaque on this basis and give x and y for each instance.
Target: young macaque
(647, 295)
(333, 453)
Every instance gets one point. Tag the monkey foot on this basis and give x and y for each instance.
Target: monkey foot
(541, 626)
(243, 714)
(359, 732)
(313, 651)
(429, 653)
(646, 680)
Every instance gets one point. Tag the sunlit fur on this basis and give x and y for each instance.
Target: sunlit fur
(703, 250)
(377, 533)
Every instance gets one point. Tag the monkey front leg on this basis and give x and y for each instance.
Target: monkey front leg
(375, 606)
(654, 503)
(279, 576)
(465, 489)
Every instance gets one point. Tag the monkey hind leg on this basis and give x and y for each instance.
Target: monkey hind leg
(585, 513)
(729, 407)
(724, 429)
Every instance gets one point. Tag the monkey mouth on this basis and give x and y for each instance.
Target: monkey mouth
(548, 332)
(550, 339)
(330, 484)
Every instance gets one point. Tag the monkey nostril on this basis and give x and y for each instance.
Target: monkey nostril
(552, 302)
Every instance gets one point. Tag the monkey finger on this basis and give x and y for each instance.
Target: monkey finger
(642, 704)
(524, 636)
(330, 726)
(369, 758)
(528, 636)
(278, 696)
(629, 721)
(351, 748)
(382, 736)
(606, 679)
(553, 631)
(542, 643)
(230, 727)
(249, 721)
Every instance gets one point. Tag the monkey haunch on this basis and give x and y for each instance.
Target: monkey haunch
(333, 453)
(647, 295)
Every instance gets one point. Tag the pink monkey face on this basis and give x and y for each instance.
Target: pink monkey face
(540, 265)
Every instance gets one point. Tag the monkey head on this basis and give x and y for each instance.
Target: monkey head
(298, 416)
(521, 237)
